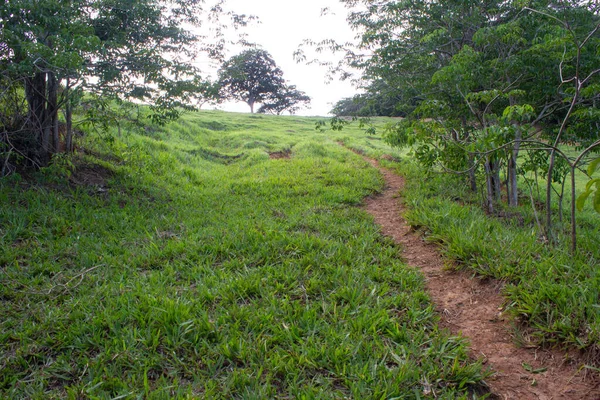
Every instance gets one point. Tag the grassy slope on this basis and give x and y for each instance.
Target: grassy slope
(202, 268)
(553, 293)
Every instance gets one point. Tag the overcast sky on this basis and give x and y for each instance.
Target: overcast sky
(284, 25)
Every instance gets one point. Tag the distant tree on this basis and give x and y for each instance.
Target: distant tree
(254, 77)
(358, 105)
(287, 98)
(370, 104)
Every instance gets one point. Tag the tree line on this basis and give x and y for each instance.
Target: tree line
(490, 90)
(98, 57)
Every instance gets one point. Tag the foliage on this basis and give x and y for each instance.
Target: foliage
(254, 77)
(379, 100)
(287, 98)
(351, 106)
(592, 189)
(483, 83)
(54, 51)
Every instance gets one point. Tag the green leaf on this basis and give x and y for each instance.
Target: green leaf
(582, 198)
(530, 368)
(593, 166)
(596, 203)
(591, 183)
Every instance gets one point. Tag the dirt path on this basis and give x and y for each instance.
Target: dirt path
(474, 307)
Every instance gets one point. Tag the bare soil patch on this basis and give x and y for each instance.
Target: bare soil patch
(91, 175)
(280, 154)
(472, 307)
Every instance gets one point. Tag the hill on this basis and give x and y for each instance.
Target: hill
(222, 256)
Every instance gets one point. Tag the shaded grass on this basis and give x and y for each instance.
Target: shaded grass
(183, 276)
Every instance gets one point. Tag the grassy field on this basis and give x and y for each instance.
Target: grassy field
(185, 262)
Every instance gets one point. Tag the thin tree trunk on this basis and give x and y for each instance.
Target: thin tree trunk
(46, 123)
(573, 220)
(35, 92)
(533, 208)
(560, 200)
(472, 177)
(69, 123)
(513, 195)
(471, 162)
(553, 157)
(47, 131)
(549, 233)
(68, 118)
(489, 187)
(495, 170)
(507, 180)
(53, 111)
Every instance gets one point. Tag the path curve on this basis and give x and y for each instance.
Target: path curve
(473, 307)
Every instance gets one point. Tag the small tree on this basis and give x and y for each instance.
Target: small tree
(254, 77)
(287, 98)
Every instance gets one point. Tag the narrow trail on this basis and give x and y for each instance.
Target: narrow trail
(473, 307)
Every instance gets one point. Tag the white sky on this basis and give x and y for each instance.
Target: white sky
(284, 24)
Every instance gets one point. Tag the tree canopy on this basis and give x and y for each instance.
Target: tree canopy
(286, 98)
(485, 85)
(253, 77)
(54, 51)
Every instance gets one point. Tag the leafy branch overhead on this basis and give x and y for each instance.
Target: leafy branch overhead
(254, 77)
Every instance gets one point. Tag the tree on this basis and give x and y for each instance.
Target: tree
(111, 50)
(42, 45)
(254, 77)
(354, 106)
(379, 99)
(487, 85)
(287, 98)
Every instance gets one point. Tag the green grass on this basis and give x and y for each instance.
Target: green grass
(553, 294)
(201, 268)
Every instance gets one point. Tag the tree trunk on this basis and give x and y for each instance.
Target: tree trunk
(560, 200)
(489, 186)
(549, 233)
(52, 111)
(69, 126)
(507, 180)
(47, 131)
(35, 92)
(68, 117)
(573, 216)
(497, 183)
(471, 161)
(472, 177)
(513, 195)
